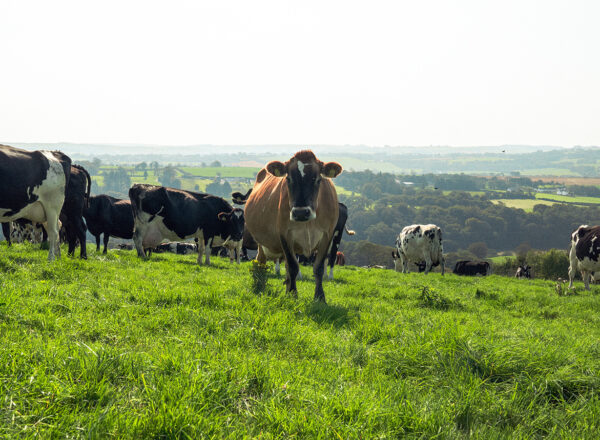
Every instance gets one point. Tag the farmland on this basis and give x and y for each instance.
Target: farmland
(120, 347)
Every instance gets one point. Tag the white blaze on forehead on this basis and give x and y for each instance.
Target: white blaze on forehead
(301, 167)
(238, 214)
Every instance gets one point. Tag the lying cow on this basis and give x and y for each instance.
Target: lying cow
(418, 243)
(166, 213)
(293, 209)
(179, 248)
(23, 230)
(523, 271)
(109, 216)
(33, 187)
(472, 268)
(584, 253)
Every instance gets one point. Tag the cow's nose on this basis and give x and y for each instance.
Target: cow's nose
(300, 214)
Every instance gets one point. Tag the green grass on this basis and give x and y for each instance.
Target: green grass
(117, 347)
(569, 199)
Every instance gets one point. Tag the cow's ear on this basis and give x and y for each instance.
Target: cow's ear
(331, 169)
(222, 216)
(278, 169)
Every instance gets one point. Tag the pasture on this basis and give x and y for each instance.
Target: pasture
(524, 204)
(120, 347)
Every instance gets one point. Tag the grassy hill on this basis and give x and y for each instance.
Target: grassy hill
(120, 347)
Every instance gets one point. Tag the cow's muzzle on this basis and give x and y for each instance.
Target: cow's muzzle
(302, 214)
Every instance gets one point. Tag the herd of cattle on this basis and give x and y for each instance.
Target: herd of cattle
(291, 211)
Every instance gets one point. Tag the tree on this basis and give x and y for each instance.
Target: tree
(479, 249)
(215, 164)
(169, 177)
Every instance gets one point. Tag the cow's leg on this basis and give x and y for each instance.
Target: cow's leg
(572, 265)
(52, 229)
(138, 240)
(106, 238)
(80, 229)
(428, 264)
(207, 251)
(239, 252)
(586, 279)
(443, 263)
(404, 261)
(319, 269)
(291, 267)
(261, 257)
(277, 268)
(97, 242)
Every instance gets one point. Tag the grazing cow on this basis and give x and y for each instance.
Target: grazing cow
(472, 268)
(523, 271)
(340, 227)
(175, 214)
(293, 209)
(109, 216)
(584, 253)
(77, 198)
(33, 187)
(340, 259)
(179, 248)
(418, 243)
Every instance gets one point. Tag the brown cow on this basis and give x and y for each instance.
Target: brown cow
(293, 209)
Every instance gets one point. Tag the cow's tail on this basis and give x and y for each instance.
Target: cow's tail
(349, 231)
(89, 184)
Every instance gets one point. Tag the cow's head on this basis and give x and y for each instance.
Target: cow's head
(235, 223)
(303, 174)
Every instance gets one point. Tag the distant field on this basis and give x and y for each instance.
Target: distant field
(524, 204)
(568, 199)
(247, 172)
(549, 172)
(589, 181)
(473, 193)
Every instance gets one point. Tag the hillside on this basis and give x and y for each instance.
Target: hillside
(120, 347)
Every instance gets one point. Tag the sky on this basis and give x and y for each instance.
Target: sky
(401, 73)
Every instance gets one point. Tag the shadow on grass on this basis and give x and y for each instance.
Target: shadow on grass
(322, 313)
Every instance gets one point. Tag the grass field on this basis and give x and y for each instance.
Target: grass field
(524, 204)
(117, 347)
(568, 199)
(248, 172)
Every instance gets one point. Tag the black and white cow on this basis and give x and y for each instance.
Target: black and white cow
(584, 253)
(166, 213)
(176, 247)
(523, 271)
(418, 243)
(472, 268)
(33, 185)
(23, 230)
(77, 198)
(109, 216)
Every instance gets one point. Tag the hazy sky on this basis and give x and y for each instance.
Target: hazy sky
(419, 72)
